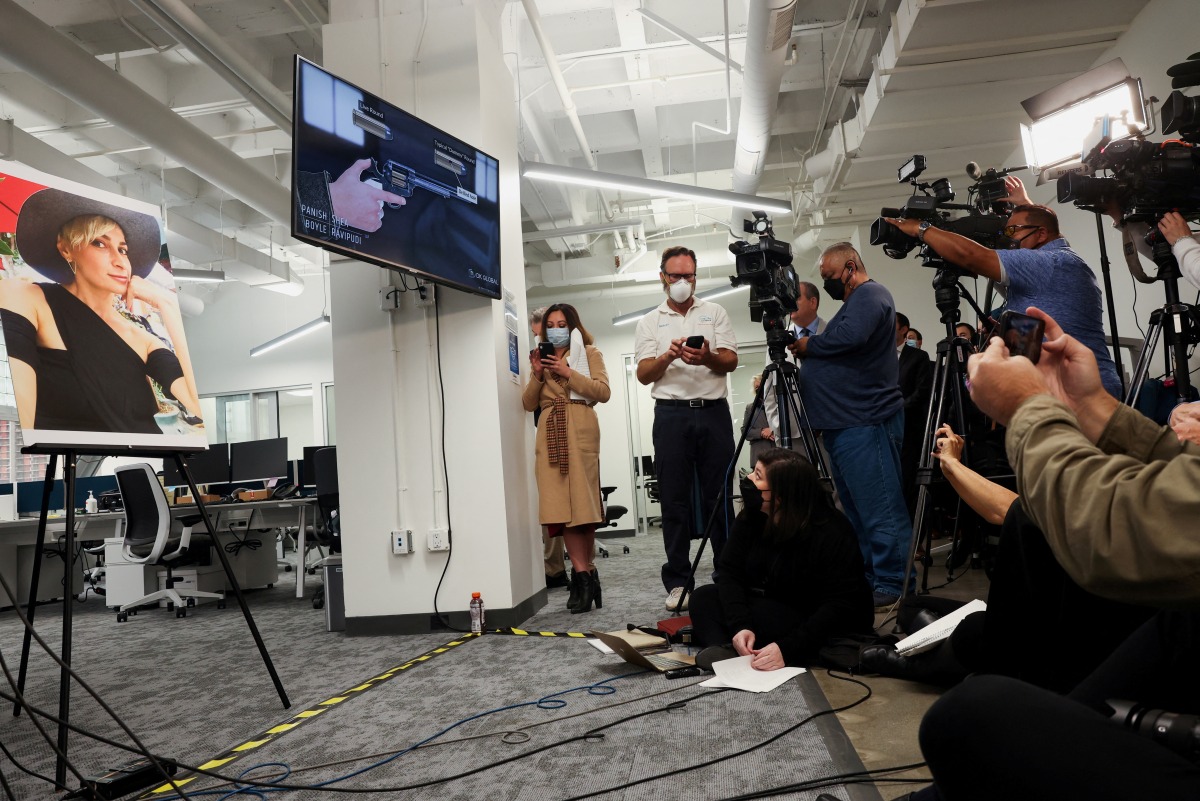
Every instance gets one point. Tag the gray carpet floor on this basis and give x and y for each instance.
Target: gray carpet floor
(194, 688)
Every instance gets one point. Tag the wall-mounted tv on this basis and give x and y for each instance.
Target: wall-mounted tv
(377, 184)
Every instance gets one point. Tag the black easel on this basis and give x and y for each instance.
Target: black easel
(64, 683)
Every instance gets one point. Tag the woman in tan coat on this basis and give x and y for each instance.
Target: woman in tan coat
(566, 386)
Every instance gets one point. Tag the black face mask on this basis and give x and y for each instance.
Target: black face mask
(834, 288)
(752, 498)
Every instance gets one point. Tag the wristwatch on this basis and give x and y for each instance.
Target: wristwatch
(922, 228)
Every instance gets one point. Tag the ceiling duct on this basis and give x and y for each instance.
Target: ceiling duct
(768, 31)
(31, 45)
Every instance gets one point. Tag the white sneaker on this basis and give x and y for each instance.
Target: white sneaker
(673, 600)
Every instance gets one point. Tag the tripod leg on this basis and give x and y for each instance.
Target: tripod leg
(1153, 331)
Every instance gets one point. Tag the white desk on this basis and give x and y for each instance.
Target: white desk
(248, 515)
(17, 538)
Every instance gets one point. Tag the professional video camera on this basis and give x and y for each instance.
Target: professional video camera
(1147, 179)
(985, 210)
(766, 265)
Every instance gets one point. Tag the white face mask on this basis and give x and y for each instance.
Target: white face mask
(558, 337)
(680, 291)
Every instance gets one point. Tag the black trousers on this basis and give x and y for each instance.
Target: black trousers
(770, 619)
(692, 451)
(994, 738)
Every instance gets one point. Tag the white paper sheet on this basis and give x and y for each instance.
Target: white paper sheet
(737, 674)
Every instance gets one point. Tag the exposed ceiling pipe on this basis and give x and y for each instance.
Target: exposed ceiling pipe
(186, 27)
(31, 45)
(768, 31)
(564, 93)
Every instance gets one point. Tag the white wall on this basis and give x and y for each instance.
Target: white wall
(389, 413)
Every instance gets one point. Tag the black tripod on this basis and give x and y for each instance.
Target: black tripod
(945, 401)
(787, 400)
(1177, 319)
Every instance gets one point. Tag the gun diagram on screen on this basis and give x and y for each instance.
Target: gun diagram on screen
(392, 176)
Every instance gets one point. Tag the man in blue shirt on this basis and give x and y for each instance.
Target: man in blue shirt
(851, 390)
(1042, 271)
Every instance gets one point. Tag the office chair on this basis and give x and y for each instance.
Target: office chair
(148, 539)
(650, 484)
(329, 532)
(611, 515)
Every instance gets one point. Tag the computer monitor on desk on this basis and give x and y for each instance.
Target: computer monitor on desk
(308, 469)
(207, 467)
(258, 460)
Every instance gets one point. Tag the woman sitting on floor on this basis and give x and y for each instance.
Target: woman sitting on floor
(790, 578)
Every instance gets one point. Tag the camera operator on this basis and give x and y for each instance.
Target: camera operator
(1042, 271)
(1174, 229)
(851, 391)
(1114, 495)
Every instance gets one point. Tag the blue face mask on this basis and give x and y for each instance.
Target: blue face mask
(912, 343)
(558, 337)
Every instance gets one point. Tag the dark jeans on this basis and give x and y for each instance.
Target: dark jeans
(692, 450)
(770, 619)
(994, 738)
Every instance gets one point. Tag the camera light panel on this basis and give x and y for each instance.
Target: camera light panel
(1058, 137)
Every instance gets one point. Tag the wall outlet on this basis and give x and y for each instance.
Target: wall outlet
(426, 297)
(439, 540)
(401, 542)
(389, 298)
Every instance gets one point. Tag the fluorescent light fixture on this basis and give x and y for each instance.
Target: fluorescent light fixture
(708, 294)
(300, 393)
(198, 276)
(1065, 115)
(294, 334)
(645, 186)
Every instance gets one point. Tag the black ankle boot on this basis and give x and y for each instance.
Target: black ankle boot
(576, 584)
(596, 588)
(589, 591)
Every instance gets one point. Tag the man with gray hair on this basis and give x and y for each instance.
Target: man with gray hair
(851, 392)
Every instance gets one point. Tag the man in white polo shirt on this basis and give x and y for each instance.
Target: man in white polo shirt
(693, 428)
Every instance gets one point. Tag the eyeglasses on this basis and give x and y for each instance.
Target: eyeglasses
(676, 277)
(1009, 230)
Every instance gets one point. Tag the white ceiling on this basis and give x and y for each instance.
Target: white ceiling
(881, 79)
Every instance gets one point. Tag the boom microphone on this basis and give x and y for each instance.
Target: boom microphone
(973, 171)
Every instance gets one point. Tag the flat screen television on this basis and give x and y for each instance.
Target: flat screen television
(375, 183)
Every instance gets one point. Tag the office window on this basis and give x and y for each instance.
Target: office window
(330, 428)
(264, 414)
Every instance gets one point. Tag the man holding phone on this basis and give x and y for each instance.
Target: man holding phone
(684, 350)
(1041, 270)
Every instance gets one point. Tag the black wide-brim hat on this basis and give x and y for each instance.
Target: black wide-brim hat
(46, 211)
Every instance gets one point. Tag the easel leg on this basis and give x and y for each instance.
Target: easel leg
(233, 582)
(64, 675)
(47, 488)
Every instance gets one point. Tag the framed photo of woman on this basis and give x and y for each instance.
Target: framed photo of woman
(92, 328)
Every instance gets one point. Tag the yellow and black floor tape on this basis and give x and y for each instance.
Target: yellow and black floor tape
(300, 718)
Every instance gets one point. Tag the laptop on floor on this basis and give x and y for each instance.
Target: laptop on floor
(656, 662)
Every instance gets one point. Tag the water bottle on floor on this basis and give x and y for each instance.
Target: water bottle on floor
(477, 615)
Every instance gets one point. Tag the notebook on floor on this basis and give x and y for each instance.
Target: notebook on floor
(657, 662)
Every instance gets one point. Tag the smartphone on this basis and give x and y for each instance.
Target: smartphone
(695, 341)
(546, 350)
(1022, 334)
(683, 672)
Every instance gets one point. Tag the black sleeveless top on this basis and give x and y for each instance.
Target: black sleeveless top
(98, 383)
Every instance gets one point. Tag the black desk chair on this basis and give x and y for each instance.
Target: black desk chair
(328, 532)
(650, 484)
(612, 514)
(148, 539)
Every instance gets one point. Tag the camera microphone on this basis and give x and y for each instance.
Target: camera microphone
(973, 171)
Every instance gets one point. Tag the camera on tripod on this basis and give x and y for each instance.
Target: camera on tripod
(766, 266)
(983, 221)
(1147, 179)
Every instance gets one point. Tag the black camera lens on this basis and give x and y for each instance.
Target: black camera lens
(1180, 113)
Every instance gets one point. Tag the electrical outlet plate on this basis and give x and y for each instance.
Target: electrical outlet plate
(438, 540)
(401, 542)
(425, 297)
(389, 298)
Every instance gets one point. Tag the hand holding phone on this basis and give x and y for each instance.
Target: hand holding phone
(695, 341)
(546, 350)
(1022, 335)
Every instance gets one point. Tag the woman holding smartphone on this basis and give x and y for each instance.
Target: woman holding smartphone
(568, 380)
